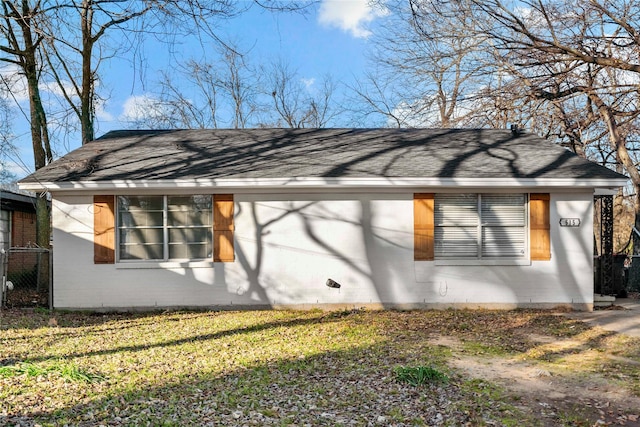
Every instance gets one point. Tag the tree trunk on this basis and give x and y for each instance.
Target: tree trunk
(43, 222)
(39, 133)
(86, 93)
(622, 155)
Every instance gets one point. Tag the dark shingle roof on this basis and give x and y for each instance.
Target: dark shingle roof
(22, 201)
(346, 153)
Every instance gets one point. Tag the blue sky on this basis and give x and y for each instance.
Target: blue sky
(332, 38)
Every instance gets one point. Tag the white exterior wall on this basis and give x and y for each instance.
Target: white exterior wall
(287, 246)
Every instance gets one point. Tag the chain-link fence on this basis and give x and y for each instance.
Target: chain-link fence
(26, 277)
(633, 275)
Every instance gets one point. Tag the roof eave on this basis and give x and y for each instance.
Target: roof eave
(322, 182)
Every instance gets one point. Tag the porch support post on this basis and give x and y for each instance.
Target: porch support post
(606, 244)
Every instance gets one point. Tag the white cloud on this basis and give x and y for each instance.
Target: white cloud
(12, 80)
(13, 85)
(424, 113)
(140, 108)
(100, 107)
(55, 89)
(308, 82)
(349, 15)
(419, 113)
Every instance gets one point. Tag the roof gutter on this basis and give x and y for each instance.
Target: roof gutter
(318, 182)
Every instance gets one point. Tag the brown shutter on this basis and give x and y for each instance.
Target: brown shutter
(104, 229)
(223, 228)
(423, 249)
(539, 224)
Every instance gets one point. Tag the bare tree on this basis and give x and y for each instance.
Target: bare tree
(80, 35)
(299, 103)
(239, 82)
(195, 108)
(454, 68)
(19, 46)
(571, 69)
(223, 92)
(74, 52)
(377, 97)
(585, 51)
(429, 72)
(6, 140)
(69, 49)
(568, 70)
(230, 91)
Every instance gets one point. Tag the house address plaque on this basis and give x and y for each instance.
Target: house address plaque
(569, 222)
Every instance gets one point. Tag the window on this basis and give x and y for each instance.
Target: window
(165, 227)
(5, 229)
(480, 226)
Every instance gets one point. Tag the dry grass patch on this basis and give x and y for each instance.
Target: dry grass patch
(295, 368)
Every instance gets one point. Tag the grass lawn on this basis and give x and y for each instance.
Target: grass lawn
(313, 368)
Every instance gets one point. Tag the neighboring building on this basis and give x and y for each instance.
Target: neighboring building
(17, 219)
(265, 217)
(18, 230)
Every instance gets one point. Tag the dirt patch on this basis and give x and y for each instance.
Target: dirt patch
(546, 392)
(525, 367)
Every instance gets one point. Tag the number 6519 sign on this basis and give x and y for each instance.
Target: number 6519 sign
(569, 222)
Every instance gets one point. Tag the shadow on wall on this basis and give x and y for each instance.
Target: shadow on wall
(252, 279)
(287, 248)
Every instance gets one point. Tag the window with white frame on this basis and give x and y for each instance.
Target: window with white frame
(5, 229)
(480, 226)
(165, 227)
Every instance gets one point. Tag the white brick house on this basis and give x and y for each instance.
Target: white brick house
(264, 217)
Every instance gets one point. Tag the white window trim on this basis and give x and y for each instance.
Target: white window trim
(165, 265)
(8, 231)
(158, 263)
(463, 261)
